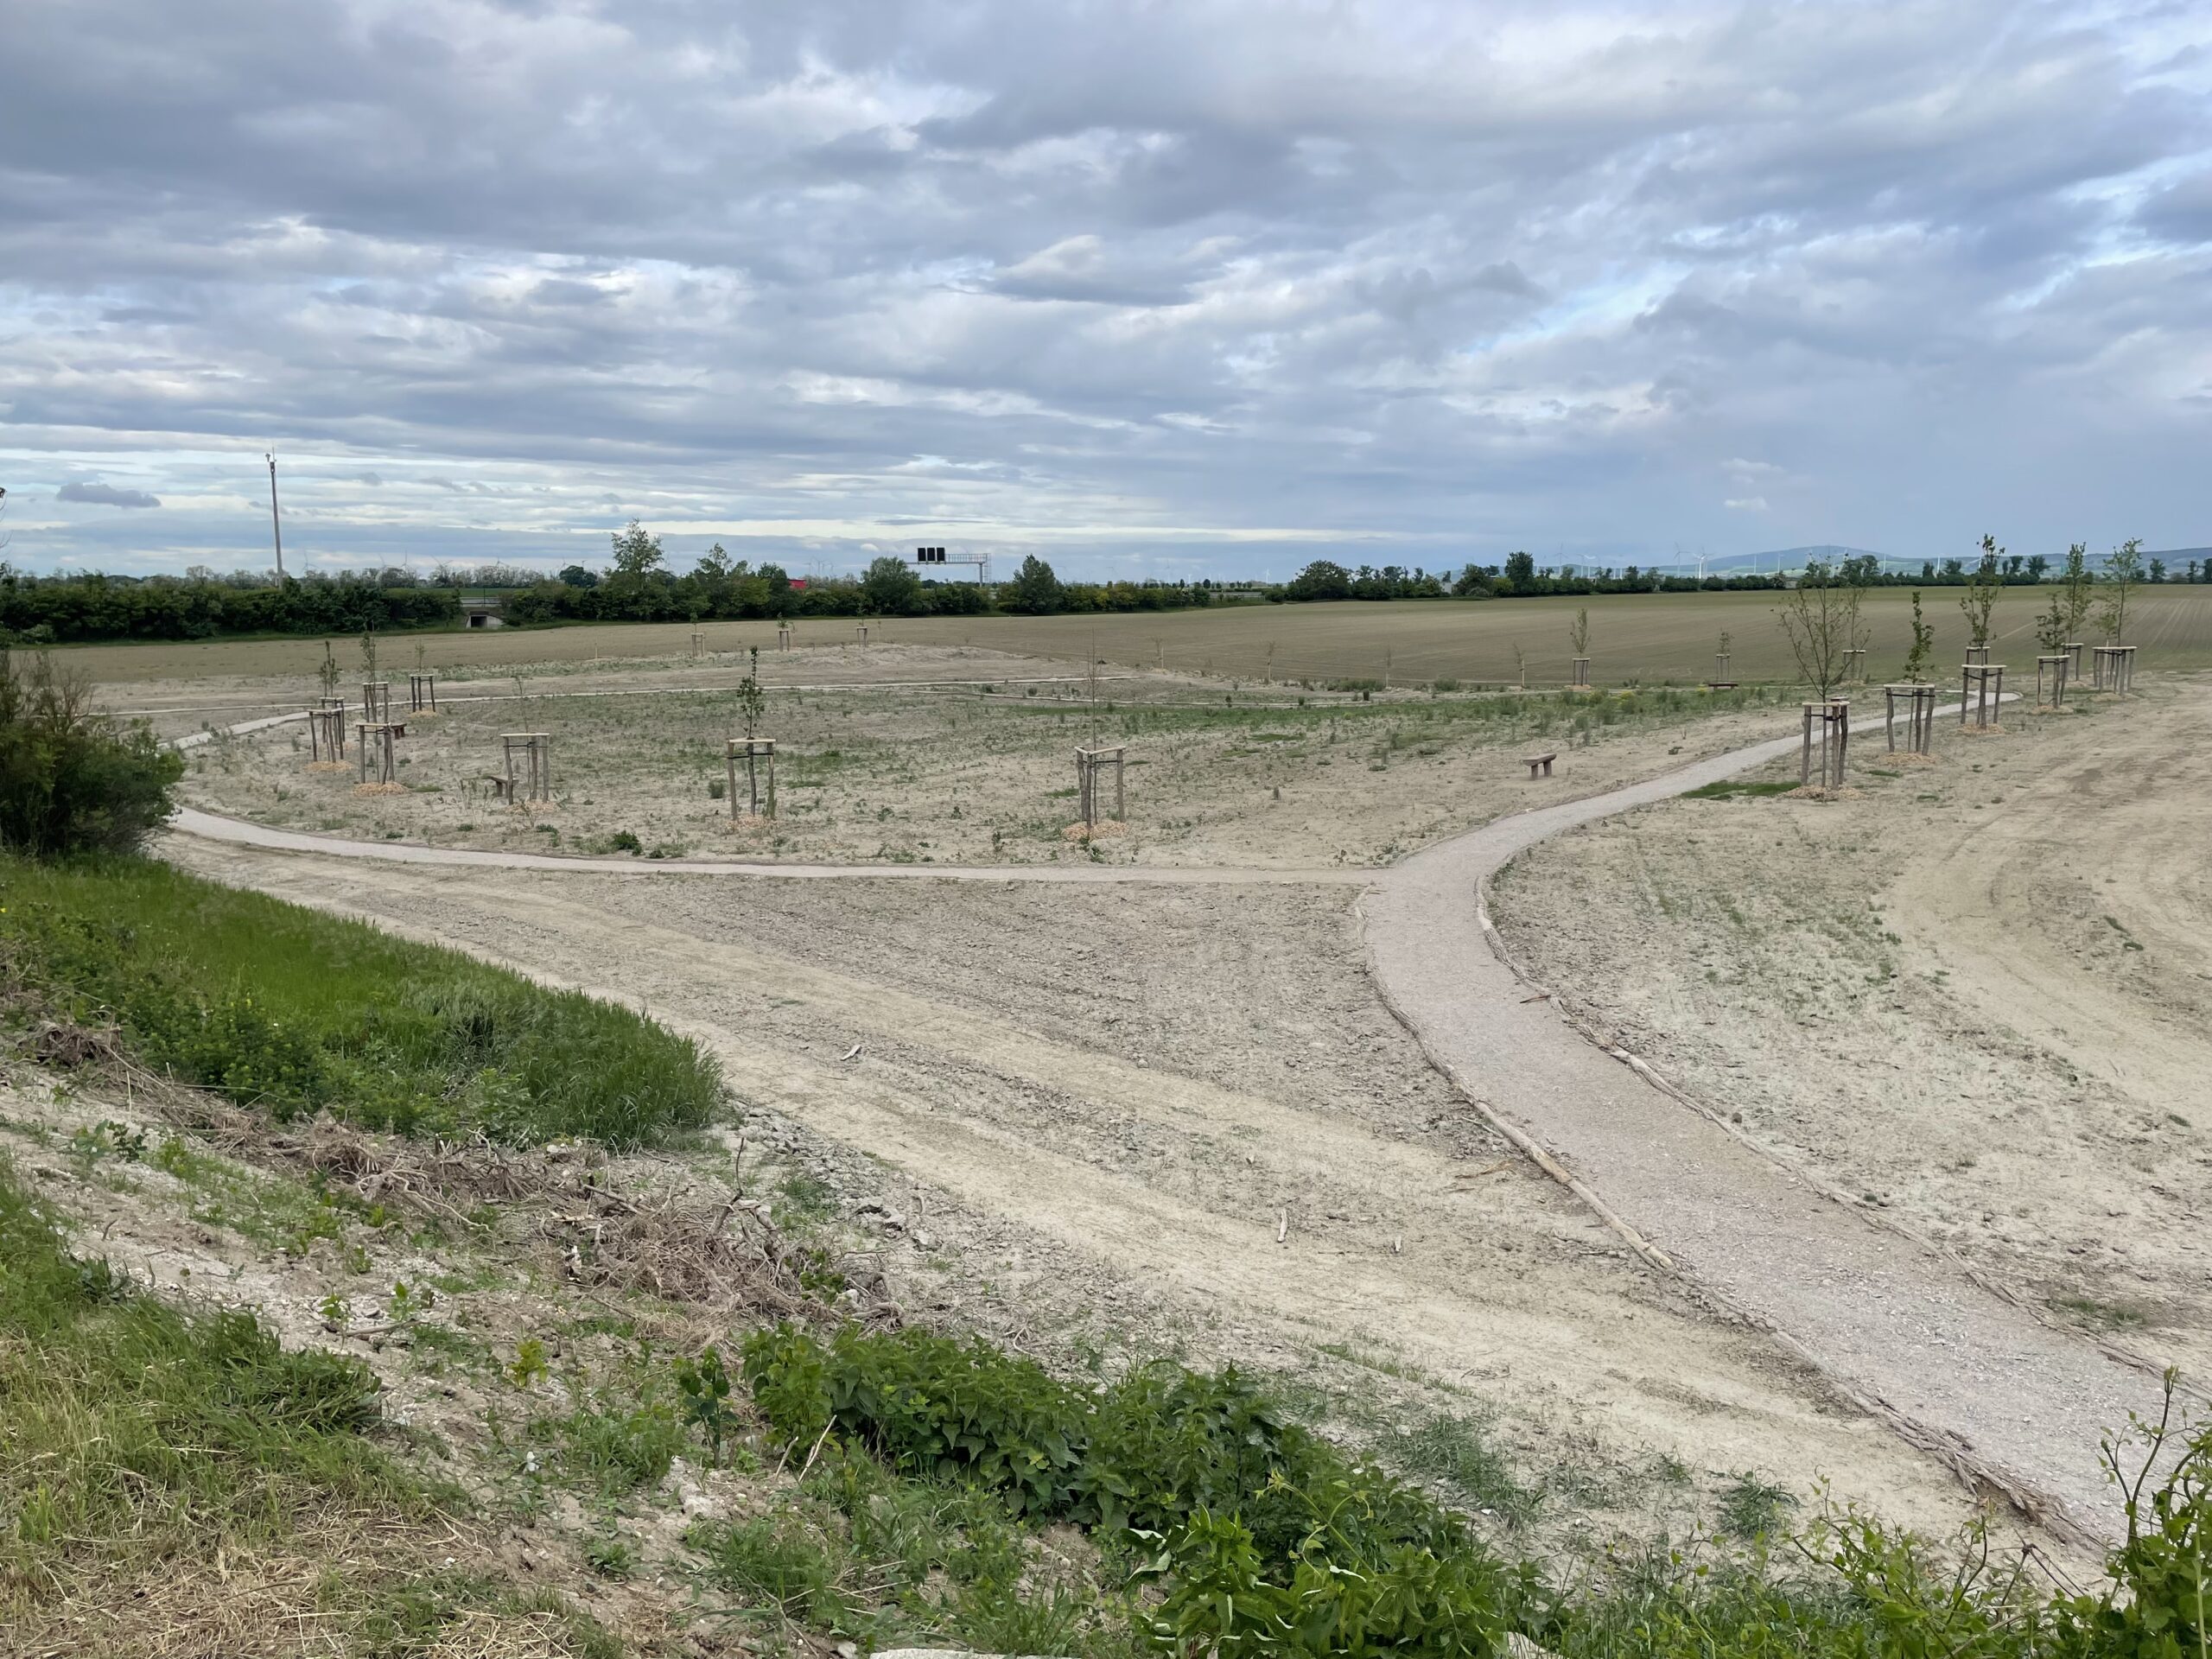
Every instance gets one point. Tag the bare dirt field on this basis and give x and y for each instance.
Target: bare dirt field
(1124, 1121)
(949, 755)
(1976, 996)
(1115, 1120)
(1652, 638)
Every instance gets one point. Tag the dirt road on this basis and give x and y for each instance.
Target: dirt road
(1185, 1183)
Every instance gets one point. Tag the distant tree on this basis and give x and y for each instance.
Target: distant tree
(714, 565)
(637, 553)
(890, 589)
(1521, 573)
(1578, 633)
(577, 575)
(1820, 618)
(1034, 591)
(1473, 582)
(1322, 579)
(2158, 570)
(2038, 566)
(1922, 654)
(2077, 584)
(2123, 570)
(1979, 599)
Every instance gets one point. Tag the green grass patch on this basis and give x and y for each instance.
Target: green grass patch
(1730, 789)
(284, 1007)
(136, 1429)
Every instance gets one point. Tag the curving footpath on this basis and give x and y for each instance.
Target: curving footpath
(2013, 1406)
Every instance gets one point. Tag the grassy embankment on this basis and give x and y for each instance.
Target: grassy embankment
(297, 1012)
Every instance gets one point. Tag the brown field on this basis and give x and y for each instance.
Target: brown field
(1641, 637)
(926, 754)
(1172, 1115)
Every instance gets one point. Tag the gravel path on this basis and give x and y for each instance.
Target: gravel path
(2009, 1401)
(2006, 1401)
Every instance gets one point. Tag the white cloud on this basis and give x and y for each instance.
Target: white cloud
(1439, 279)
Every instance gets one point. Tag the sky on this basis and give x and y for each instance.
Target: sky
(1192, 288)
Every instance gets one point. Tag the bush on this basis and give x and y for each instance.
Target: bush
(279, 1006)
(71, 780)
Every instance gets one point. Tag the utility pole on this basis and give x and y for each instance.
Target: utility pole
(276, 526)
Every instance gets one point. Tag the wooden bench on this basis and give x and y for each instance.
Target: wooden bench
(1539, 766)
(503, 789)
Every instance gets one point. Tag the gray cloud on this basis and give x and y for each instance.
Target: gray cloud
(1121, 284)
(103, 495)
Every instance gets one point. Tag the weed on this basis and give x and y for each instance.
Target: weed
(1752, 1509)
(1453, 1450)
(705, 1386)
(108, 1139)
(529, 1363)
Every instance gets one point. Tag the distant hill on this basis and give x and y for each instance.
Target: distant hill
(1779, 558)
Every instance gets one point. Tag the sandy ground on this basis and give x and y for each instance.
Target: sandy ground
(945, 756)
(1978, 995)
(1120, 1098)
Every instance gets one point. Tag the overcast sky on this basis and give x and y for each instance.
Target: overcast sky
(1168, 289)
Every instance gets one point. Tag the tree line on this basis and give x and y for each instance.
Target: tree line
(1520, 576)
(638, 586)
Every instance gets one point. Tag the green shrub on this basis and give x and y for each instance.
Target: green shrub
(1268, 1543)
(298, 1012)
(71, 780)
(1147, 1453)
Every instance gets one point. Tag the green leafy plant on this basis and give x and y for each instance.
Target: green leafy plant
(705, 1385)
(409, 1302)
(1820, 620)
(530, 1363)
(108, 1139)
(2077, 590)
